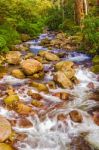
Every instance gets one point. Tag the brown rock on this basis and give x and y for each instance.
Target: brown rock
(23, 109)
(62, 79)
(17, 73)
(96, 118)
(34, 95)
(5, 129)
(31, 66)
(4, 146)
(76, 116)
(13, 57)
(62, 95)
(64, 65)
(39, 86)
(37, 103)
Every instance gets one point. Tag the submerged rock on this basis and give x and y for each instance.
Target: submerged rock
(78, 143)
(96, 118)
(13, 57)
(31, 66)
(4, 146)
(62, 95)
(62, 80)
(5, 129)
(17, 73)
(76, 116)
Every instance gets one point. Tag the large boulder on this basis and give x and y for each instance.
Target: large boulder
(17, 73)
(31, 66)
(64, 65)
(62, 80)
(5, 129)
(13, 57)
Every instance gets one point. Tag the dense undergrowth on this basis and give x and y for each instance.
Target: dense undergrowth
(32, 16)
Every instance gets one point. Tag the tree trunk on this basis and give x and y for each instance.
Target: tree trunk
(81, 8)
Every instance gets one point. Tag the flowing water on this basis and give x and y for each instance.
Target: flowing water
(46, 131)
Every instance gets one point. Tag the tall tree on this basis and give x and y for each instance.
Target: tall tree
(81, 9)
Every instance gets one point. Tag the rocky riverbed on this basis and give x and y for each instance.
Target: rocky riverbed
(49, 97)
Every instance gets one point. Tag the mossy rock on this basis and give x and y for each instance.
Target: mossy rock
(4, 146)
(95, 69)
(11, 99)
(39, 86)
(96, 59)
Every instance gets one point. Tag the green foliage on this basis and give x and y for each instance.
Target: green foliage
(91, 33)
(54, 18)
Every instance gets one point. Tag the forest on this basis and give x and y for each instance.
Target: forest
(49, 74)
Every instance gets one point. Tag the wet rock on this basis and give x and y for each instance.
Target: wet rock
(76, 116)
(37, 103)
(3, 71)
(70, 73)
(4, 146)
(25, 37)
(34, 95)
(95, 95)
(45, 42)
(78, 143)
(49, 56)
(20, 47)
(24, 123)
(64, 65)
(2, 59)
(11, 99)
(39, 86)
(29, 56)
(13, 57)
(10, 90)
(95, 68)
(96, 59)
(62, 80)
(39, 75)
(91, 85)
(5, 129)
(61, 117)
(31, 66)
(17, 73)
(23, 109)
(51, 85)
(96, 118)
(62, 95)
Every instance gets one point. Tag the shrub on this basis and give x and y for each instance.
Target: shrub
(91, 33)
